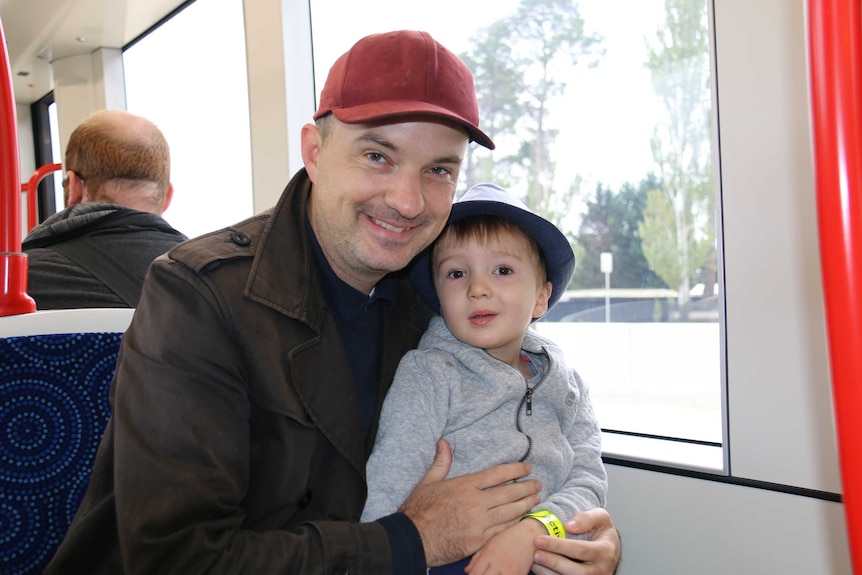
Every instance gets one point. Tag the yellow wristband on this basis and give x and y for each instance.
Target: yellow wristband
(550, 521)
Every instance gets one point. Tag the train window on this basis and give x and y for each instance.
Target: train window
(54, 128)
(605, 126)
(169, 79)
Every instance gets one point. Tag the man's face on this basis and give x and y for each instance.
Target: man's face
(382, 192)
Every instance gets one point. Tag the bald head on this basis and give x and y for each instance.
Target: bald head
(121, 158)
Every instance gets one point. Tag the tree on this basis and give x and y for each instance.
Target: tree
(679, 230)
(499, 77)
(550, 35)
(612, 224)
(517, 63)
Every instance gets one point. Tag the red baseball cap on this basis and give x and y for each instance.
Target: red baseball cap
(401, 73)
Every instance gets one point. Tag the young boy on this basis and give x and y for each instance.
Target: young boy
(482, 380)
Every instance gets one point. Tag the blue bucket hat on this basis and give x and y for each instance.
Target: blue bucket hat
(490, 199)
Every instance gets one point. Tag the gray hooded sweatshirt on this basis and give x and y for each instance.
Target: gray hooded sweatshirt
(448, 389)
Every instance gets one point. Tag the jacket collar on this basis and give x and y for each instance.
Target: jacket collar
(284, 274)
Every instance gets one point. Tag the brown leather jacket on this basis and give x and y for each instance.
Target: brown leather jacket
(235, 444)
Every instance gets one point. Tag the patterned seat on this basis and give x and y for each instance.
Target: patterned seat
(53, 411)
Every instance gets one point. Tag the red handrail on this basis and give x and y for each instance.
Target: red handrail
(835, 59)
(13, 263)
(32, 191)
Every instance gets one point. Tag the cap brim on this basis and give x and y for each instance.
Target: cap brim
(377, 111)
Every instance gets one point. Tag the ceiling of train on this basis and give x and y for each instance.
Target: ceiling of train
(39, 32)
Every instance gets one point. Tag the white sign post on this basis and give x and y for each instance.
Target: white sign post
(607, 266)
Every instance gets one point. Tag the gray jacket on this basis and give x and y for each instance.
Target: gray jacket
(131, 237)
(449, 389)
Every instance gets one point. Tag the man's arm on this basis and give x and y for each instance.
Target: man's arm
(603, 551)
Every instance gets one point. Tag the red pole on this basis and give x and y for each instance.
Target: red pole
(13, 263)
(835, 40)
(32, 190)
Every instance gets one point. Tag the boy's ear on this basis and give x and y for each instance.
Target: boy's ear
(542, 297)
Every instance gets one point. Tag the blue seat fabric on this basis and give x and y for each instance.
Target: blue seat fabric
(53, 412)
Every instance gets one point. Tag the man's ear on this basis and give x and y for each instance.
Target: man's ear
(311, 145)
(74, 189)
(169, 195)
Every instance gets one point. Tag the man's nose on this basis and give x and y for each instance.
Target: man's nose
(406, 195)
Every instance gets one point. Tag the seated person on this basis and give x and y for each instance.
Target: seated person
(95, 253)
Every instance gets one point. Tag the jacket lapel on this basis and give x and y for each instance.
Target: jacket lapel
(285, 277)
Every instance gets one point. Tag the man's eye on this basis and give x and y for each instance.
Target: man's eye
(375, 157)
(440, 171)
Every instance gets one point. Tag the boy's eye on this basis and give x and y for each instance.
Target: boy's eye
(455, 274)
(503, 271)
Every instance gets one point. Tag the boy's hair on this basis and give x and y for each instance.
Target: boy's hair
(484, 228)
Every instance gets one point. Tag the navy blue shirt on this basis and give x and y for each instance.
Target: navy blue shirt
(360, 323)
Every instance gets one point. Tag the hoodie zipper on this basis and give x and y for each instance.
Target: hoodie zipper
(527, 400)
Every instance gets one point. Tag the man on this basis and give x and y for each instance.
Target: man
(96, 252)
(250, 382)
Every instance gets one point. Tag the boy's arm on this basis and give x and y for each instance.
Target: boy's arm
(586, 485)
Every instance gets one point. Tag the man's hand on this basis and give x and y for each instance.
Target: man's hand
(598, 556)
(455, 517)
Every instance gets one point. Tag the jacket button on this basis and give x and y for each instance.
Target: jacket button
(240, 238)
(304, 500)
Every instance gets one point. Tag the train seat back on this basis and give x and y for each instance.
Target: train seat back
(56, 369)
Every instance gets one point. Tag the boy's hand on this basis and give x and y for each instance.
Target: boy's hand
(508, 553)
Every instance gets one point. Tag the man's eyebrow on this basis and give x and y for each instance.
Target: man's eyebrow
(379, 140)
(449, 160)
(389, 145)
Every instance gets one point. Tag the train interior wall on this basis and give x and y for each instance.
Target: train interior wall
(780, 428)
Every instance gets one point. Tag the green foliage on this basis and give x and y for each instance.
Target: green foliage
(518, 62)
(679, 228)
(499, 78)
(612, 224)
(551, 35)
(659, 226)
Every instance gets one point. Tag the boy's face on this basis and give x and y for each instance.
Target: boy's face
(490, 291)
